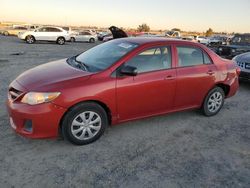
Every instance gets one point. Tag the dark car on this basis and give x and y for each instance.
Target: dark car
(243, 62)
(115, 34)
(240, 44)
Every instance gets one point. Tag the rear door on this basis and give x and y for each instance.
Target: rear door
(195, 76)
(152, 90)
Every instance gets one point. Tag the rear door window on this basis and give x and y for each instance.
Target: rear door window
(191, 56)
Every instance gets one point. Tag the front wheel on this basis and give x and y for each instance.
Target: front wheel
(60, 41)
(84, 123)
(30, 39)
(213, 102)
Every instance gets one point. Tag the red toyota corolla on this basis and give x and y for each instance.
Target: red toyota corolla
(118, 81)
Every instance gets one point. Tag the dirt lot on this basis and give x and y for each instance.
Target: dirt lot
(183, 149)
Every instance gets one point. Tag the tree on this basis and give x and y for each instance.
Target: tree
(209, 32)
(176, 29)
(143, 28)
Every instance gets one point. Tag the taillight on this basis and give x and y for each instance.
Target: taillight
(238, 71)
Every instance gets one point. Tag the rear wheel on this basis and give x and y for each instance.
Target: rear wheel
(6, 33)
(213, 101)
(72, 39)
(84, 123)
(30, 39)
(60, 41)
(92, 40)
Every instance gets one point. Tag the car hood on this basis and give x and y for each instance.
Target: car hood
(244, 57)
(117, 33)
(47, 75)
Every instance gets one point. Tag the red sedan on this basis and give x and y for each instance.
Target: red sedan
(118, 81)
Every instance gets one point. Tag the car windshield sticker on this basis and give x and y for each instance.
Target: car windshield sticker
(125, 45)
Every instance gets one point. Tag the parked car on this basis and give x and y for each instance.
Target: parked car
(107, 38)
(189, 38)
(173, 34)
(45, 33)
(118, 81)
(243, 62)
(14, 30)
(102, 34)
(84, 36)
(116, 33)
(239, 44)
(202, 40)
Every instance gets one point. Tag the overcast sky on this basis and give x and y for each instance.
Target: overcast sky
(190, 15)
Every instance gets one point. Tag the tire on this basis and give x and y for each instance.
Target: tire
(6, 33)
(213, 102)
(30, 39)
(91, 40)
(60, 41)
(77, 126)
(72, 39)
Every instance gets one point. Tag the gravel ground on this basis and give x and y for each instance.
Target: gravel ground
(183, 149)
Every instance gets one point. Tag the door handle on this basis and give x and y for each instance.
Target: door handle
(210, 72)
(169, 77)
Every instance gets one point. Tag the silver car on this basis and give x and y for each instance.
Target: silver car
(84, 36)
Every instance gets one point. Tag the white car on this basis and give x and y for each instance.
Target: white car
(84, 36)
(45, 33)
(202, 40)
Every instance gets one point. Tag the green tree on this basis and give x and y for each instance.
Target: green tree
(209, 32)
(143, 28)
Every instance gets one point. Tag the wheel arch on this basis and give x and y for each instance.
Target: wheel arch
(31, 36)
(225, 87)
(102, 104)
(61, 37)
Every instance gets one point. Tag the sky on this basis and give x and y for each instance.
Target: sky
(188, 15)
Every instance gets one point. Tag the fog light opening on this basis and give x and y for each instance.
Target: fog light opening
(28, 126)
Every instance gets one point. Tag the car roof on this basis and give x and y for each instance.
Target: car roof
(151, 40)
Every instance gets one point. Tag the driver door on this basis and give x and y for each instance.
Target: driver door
(152, 90)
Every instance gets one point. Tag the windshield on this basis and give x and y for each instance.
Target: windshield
(103, 56)
(241, 39)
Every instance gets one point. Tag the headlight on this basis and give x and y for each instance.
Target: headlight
(220, 49)
(34, 98)
(233, 50)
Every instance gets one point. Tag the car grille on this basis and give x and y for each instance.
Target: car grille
(14, 93)
(241, 64)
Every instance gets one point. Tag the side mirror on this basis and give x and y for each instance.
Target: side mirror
(128, 70)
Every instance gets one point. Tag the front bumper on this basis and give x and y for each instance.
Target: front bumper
(43, 119)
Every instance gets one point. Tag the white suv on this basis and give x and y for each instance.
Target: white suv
(45, 33)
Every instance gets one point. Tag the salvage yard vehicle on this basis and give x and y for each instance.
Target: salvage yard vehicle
(14, 30)
(202, 40)
(240, 43)
(243, 61)
(84, 36)
(45, 33)
(118, 81)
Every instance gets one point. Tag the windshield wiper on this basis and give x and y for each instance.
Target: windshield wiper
(82, 64)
